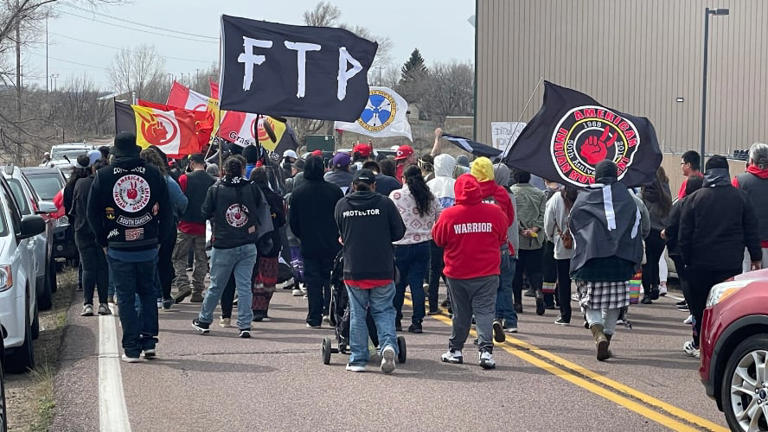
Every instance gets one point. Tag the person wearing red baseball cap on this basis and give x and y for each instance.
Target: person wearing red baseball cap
(404, 157)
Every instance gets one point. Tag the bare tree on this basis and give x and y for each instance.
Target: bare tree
(139, 70)
(451, 90)
(324, 14)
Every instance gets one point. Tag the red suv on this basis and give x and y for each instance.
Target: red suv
(734, 350)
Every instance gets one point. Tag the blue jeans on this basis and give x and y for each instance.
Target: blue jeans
(504, 303)
(379, 301)
(132, 279)
(411, 261)
(240, 261)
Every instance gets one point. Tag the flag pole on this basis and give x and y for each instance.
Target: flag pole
(530, 98)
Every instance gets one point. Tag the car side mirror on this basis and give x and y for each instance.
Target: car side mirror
(46, 208)
(31, 226)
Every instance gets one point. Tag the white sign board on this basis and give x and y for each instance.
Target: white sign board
(504, 133)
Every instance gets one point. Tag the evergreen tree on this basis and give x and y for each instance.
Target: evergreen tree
(414, 69)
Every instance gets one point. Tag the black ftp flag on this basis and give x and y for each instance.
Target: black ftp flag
(286, 70)
(572, 133)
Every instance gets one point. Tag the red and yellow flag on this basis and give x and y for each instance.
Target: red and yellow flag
(177, 132)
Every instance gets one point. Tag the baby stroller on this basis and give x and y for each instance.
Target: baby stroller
(339, 316)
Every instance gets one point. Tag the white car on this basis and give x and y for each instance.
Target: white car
(29, 204)
(18, 290)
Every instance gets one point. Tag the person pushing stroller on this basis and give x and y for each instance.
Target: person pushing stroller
(368, 224)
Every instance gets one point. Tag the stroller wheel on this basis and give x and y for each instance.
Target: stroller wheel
(402, 355)
(326, 349)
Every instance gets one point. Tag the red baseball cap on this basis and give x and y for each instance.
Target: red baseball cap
(365, 150)
(403, 152)
(317, 153)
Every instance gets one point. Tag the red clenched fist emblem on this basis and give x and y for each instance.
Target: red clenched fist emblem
(594, 150)
(132, 192)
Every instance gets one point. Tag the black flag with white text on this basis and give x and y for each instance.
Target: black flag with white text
(286, 70)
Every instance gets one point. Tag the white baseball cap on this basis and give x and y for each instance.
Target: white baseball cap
(290, 154)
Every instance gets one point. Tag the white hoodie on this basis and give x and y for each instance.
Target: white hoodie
(442, 185)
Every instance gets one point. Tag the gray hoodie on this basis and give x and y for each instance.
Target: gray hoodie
(501, 175)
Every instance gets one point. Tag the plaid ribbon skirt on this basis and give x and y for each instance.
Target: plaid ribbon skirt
(603, 295)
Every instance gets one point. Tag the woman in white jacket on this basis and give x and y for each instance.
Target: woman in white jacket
(556, 228)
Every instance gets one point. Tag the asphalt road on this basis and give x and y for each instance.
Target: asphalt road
(547, 379)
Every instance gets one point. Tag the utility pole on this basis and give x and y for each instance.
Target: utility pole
(47, 88)
(18, 63)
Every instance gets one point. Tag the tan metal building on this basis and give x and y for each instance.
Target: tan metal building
(637, 56)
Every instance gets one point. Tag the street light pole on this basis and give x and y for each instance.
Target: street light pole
(707, 13)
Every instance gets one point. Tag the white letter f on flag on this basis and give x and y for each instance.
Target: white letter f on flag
(250, 59)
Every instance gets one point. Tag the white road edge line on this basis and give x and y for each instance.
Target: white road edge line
(113, 413)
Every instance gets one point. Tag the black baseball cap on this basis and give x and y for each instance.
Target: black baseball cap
(365, 176)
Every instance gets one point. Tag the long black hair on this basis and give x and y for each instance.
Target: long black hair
(419, 189)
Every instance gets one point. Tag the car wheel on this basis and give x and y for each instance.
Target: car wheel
(3, 414)
(744, 388)
(22, 358)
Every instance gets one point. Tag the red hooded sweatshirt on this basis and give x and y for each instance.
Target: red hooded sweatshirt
(471, 232)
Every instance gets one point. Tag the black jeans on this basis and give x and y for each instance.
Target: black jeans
(317, 276)
(528, 262)
(436, 266)
(681, 276)
(654, 247)
(701, 280)
(165, 264)
(564, 288)
(549, 271)
(131, 279)
(95, 273)
(228, 297)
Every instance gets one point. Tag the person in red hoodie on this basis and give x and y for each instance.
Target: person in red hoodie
(493, 193)
(755, 183)
(471, 233)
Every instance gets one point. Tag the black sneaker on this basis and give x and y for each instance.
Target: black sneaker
(681, 303)
(682, 307)
(654, 293)
(518, 307)
(498, 331)
(245, 333)
(398, 326)
(150, 354)
(646, 300)
(415, 328)
(540, 306)
(562, 322)
(530, 293)
(168, 304)
(201, 327)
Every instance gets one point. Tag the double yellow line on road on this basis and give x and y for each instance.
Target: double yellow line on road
(644, 404)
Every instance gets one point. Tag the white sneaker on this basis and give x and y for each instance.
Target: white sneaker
(663, 289)
(127, 359)
(297, 292)
(486, 360)
(388, 360)
(452, 356)
(225, 322)
(690, 350)
(355, 368)
(688, 320)
(511, 329)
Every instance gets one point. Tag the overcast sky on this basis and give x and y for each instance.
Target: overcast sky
(86, 43)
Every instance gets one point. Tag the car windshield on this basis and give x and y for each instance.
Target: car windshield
(46, 185)
(18, 193)
(72, 154)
